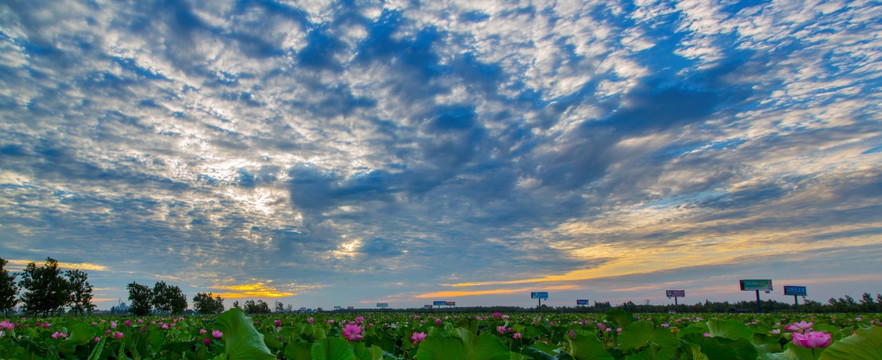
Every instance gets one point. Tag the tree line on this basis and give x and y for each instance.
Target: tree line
(169, 299)
(46, 289)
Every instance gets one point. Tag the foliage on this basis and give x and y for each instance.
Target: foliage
(203, 303)
(46, 291)
(80, 292)
(168, 298)
(8, 288)
(140, 299)
(259, 307)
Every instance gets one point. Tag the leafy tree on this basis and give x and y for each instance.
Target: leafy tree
(205, 304)
(80, 292)
(280, 308)
(140, 299)
(236, 304)
(46, 291)
(168, 298)
(259, 307)
(8, 289)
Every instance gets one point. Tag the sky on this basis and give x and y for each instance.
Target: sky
(345, 153)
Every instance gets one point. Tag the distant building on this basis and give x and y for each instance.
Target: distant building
(119, 309)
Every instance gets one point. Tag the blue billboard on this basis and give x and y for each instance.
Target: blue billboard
(539, 295)
(795, 290)
(581, 301)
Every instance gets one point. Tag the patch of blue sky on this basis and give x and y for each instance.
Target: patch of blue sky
(874, 150)
(130, 65)
(695, 148)
(684, 199)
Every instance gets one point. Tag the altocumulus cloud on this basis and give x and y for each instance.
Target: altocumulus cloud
(399, 151)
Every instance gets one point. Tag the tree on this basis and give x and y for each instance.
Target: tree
(236, 304)
(259, 307)
(46, 291)
(280, 308)
(140, 299)
(168, 298)
(204, 304)
(8, 289)
(80, 292)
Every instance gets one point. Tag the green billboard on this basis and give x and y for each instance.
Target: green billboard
(756, 284)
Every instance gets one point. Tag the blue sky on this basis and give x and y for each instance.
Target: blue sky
(324, 153)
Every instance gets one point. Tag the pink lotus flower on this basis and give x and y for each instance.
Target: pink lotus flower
(165, 326)
(5, 324)
(418, 337)
(118, 335)
(517, 335)
(277, 323)
(497, 315)
(57, 335)
(352, 332)
(801, 326)
(812, 339)
(500, 329)
(206, 341)
(217, 334)
(112, 324)
(97, 339)
(310, 320)
(128, 322)
(46, 325)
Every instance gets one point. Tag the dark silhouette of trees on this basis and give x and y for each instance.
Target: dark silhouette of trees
(203, 303)
(46, 291)
(259, 307)
(8, 289)
(140, 299)
(80, 292)
(168, 298)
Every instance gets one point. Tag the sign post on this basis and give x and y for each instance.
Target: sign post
(757, 285)
(795, 291)
(539, 295)
(581, 302)
(675, 294)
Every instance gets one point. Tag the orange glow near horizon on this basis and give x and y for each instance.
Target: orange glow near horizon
(451, 294)
(692, 251)
(258, 289)
(21, 264)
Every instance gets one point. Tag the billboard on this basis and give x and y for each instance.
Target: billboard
(382, 305)
(795, 290)
(439, 303)
(427, 306)
(675, 293)
(581, 301)
(756, 284)
(539, 295)
(450, 303)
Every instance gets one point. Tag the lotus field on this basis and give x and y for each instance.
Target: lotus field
(426, 336)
